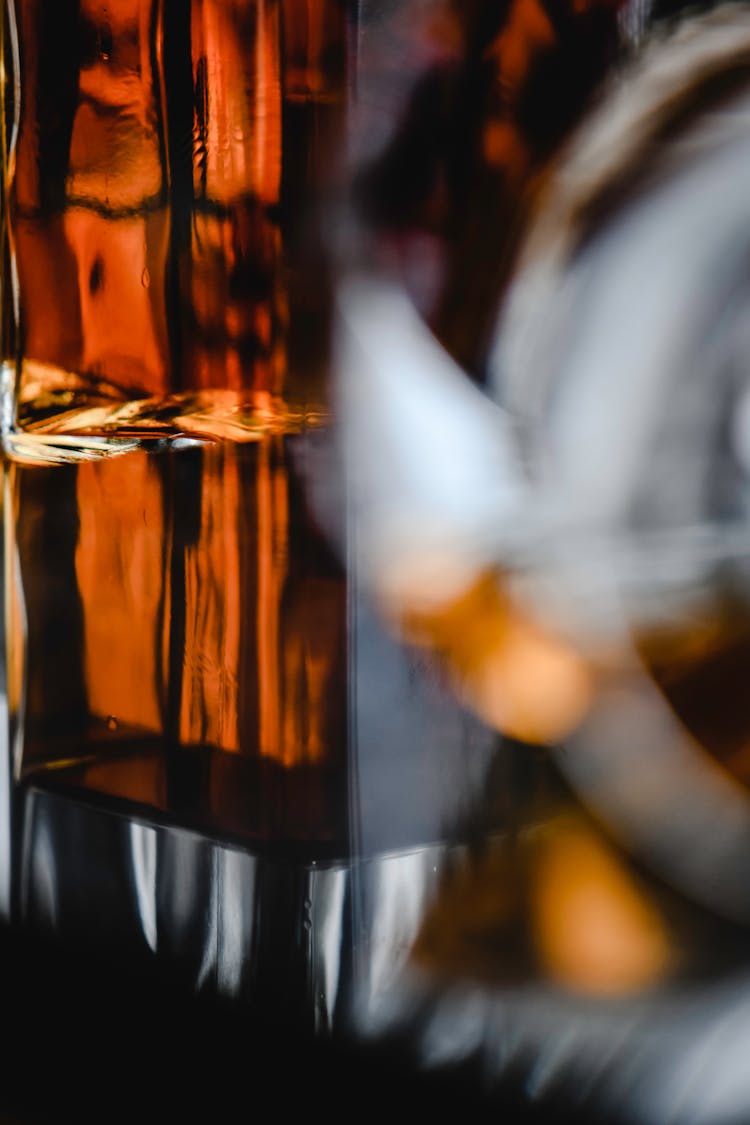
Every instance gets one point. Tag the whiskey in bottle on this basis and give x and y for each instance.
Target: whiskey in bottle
(176, 623)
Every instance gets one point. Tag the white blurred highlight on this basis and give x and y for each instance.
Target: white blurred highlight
(434, 474)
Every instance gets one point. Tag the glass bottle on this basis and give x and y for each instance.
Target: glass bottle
(176, 622)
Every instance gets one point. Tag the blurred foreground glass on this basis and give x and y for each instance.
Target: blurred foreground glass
(175, 622)
(578, 547)
(623, 358)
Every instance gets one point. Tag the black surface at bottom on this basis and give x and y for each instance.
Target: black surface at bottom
(87, 1040)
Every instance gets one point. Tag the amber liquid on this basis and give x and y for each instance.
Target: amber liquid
(185, 639)
(176, 623)
(163, 271)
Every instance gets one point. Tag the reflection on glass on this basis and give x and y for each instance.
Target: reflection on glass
(164, 160)
(622, 351)
(557, 905)
(577, 549)
(186, 636)
(178, 638)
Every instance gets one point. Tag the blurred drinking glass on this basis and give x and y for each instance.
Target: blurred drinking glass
(589, 525)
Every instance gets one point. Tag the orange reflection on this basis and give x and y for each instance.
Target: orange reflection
(91, 242)
(526, 35)
(238, 305)
(114, 156)
(120, 270)
(151, 211)
(48, 275)
(202, 558)
(236, 71)
(533, 34)
(526, 32)
(553, 902)
(596, 931)
(272, 507)
(109, 288)
(518, 676)
(120, 572)
(14, 608)
(214, 614)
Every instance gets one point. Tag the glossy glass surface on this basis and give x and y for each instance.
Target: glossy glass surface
(176, 625)
(162, 163)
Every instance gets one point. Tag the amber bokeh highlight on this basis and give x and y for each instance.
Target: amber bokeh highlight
(596, 929)
(556, 903)
(519, 676)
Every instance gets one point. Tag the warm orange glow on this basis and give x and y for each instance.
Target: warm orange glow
(262, 640)
(94, 268)
(525, 36)
(244, 330)
(519, 677)
(550, 902)
(503, 147)
(158, 279)
(48, 270)
(121, 268)
(114, 148)
(15, 626)
(215, 613)
(272, 516)
(119, 568)
(595, 929)
(531, 684)
(238, 131)
(92, 261)
(526, 32)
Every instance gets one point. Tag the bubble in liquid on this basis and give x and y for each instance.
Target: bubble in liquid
(105, 42)
(112, 723)
(145, 278)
